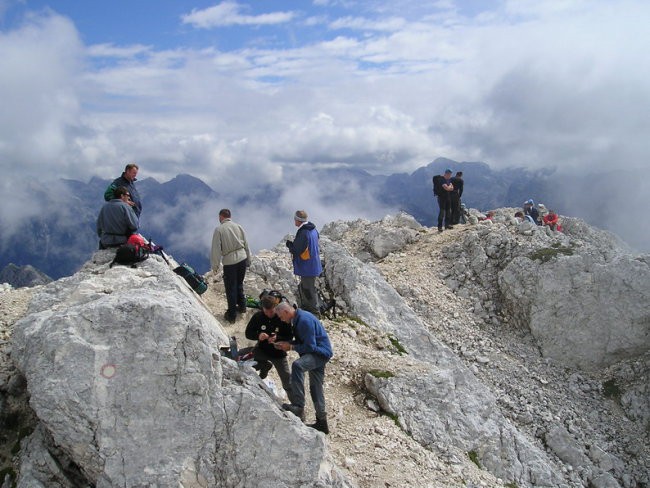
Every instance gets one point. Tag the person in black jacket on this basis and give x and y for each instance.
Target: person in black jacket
(265, 327)
(457, 182)
(442, 188)
(127, 180)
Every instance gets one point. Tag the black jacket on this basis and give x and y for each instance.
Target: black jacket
(261, 323)
(458, 185)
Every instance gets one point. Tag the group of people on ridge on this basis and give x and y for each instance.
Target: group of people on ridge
(448, 191)
(539, 216)
(278, 327)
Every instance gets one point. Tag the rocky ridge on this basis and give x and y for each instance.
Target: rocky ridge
(426, 404)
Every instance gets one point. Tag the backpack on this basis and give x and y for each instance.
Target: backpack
(129, 254)
(437, 185)
(193, 279)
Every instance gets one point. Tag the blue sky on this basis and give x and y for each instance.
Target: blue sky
(229, 91)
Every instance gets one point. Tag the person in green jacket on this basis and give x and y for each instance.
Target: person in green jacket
(230, 248)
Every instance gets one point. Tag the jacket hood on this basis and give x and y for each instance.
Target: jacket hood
(308, 226)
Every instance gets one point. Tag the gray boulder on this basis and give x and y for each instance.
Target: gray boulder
(582, 312)
(126, 379)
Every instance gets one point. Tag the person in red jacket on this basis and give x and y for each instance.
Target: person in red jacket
(552, 220)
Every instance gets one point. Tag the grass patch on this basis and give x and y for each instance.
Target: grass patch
(393, 417)
(396, 344)
(611, 389)
(378, 373)
(357, 320)
(546, 254)
(512, 484)
(473, 456)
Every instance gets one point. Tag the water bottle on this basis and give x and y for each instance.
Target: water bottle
(233, 348)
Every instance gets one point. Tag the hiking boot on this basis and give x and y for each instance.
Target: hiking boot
(241, 308)
(449, 227)
(295, 409)
(321, 425)
(439, 229)
(230, 318)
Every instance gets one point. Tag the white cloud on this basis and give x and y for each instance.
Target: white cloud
(532, 83)
(229, 13)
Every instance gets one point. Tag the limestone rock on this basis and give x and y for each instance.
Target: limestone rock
(125, 376)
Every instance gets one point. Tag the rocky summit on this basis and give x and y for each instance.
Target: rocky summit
(497, 353)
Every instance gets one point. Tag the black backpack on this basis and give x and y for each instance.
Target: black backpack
(129, 255)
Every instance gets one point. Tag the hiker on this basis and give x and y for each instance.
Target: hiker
(529, 209)
(519, 216)
(552, 220)
(305, 254)
(543, 211)
(442, 188)
(265, 327)
(489, 216)
(229, 245)
(116, 220)
(454, 195)
(312, 344)
(127, 180)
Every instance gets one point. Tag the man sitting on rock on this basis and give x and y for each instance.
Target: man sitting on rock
(312, 344)
(552, 220)
(116, 220)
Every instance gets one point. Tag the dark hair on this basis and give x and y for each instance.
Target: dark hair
(459, 173)
(269, 302)
(519, 214)
(224, 212)
(131, 166)
(119, 191)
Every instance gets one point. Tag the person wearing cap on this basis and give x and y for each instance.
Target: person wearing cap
(529, 209)
(265, 327)
(313, 345)
(116, 220)
(305, 254)
(127, 180)
(230, 246)
(442, 188)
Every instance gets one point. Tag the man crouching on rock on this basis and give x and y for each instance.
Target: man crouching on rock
(312, 344)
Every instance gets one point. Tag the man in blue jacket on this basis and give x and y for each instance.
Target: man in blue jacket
(312, 344)
(306, 260)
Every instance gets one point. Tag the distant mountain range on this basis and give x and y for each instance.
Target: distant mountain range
(61, 236)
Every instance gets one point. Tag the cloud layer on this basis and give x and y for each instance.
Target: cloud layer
(385, 88)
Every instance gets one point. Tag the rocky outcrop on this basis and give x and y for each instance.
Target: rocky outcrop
(442, 403)
(125, 376)
(582, 296)
(572, 421)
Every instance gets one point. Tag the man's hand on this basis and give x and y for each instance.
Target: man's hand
(282, 345)
(288, 244)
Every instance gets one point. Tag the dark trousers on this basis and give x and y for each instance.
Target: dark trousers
(264, 364)
(444, 204)
(308, 294)
(455, 207)
(233, 281)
